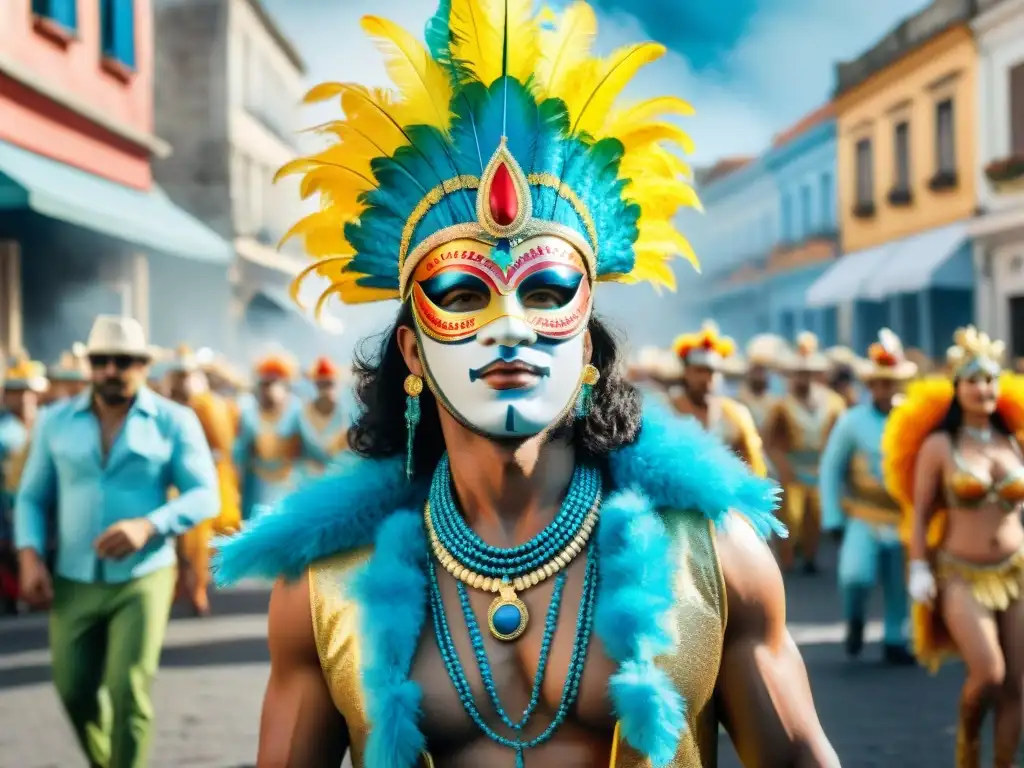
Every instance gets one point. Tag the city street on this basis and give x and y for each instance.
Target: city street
(211, 683)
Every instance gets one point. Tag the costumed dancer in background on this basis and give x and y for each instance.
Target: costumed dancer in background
(797, 430)
(269, 441)
(952, 458)
(187, 384)
(496, 411)
(70, 376)
(856, 506)
(13, 440)
(25, 388)
(842, 374)
(323, 420)
(763, 355)
(702, 355)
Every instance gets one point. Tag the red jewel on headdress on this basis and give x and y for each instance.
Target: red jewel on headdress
(503, 200)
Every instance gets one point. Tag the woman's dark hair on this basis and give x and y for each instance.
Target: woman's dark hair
(379, 431)
(954, 418)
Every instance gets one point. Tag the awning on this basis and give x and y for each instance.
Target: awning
(938, 258)
(846, 279)
(145, 218)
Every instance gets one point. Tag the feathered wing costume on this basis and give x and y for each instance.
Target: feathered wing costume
(917, 416)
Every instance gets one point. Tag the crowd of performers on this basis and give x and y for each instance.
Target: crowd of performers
(267, 433)
(916, 469)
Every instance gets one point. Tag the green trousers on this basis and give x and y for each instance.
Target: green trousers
(105, 640)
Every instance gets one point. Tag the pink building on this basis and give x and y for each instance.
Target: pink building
(83, 228)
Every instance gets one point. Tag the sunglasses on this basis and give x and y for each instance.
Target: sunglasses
(121, 362)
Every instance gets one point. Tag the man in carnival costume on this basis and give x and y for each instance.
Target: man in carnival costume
(796, 433)
(855, 503)
(764, 353)
(322, 420)
(422, 584)
(268, 444)
(186, 384)
(703, 356)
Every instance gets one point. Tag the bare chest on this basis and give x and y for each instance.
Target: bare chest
(512, 671)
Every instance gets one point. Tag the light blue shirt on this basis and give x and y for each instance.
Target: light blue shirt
(858, 431)
(161, 445)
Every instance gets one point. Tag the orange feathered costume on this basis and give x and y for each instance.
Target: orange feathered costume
(917, 416)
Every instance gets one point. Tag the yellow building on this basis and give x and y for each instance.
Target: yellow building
(906, 177)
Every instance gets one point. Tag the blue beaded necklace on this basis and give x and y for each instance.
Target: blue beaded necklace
(478, 556)
(508, 616)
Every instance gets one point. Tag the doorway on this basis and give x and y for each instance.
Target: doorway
(1016, 326)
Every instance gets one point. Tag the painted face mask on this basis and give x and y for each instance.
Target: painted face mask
(503, 350)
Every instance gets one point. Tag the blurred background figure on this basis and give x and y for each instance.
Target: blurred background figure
(323, 421)
(13, 439)
(70, 376)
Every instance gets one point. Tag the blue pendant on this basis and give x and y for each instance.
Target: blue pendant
(507, 617)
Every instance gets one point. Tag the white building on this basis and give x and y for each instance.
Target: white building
(228, 91)
(999, 227)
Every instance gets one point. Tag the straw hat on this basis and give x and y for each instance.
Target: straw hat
(766, 349)
(26, 375)
(886, 360)
(805, 357)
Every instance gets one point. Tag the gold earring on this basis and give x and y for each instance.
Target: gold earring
(590, 378)
(413, 390)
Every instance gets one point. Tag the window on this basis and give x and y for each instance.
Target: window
(827, 203)
(945, 149)
(865, 190)
(1017, 109)
(117, 31)
(806, 211)
(787, 218)
(901, 145)
(64, 12)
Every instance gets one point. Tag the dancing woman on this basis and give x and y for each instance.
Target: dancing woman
(953, 460)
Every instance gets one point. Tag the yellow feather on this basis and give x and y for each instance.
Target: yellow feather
(661, 236)
(327, 175)
(323, 92)
(374, 113)
(565, 47)
(292, 167)
(641, 136)
(654, 268)
(476, 28)
(425, 86)
(523, 38)
(589, 111)
(637, 114)
(663, 197)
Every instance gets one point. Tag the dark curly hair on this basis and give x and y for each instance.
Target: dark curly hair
(380, 432)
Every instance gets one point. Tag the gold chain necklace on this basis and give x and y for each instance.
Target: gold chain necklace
(507, 588)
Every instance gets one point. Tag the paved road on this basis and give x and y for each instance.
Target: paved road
(214, 671)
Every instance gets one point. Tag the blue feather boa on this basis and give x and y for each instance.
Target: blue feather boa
(673, 465)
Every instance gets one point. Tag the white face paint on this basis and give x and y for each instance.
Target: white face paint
(521, 411)
(503, 351)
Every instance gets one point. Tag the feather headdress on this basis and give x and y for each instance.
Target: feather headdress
(275, 366)
(27, 375)
(974, 352)
(502, 126)
(707, 347)
(323, 369)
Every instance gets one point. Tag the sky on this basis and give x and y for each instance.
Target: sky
(751, 68)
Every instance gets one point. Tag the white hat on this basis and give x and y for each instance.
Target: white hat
(766, 349)
(805, 357)
(116, 335)
(887, 360)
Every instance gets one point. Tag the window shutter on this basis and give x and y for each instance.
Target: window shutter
(124, 32)
(1017, 109)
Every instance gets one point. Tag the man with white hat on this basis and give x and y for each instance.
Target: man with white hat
(796, 432)
(107, 460)
(855, 503)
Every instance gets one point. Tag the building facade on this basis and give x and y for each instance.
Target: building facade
(802, 161)
(999, 228)
(229, 90)
(907, 183)
(83, 228)
(740, 228)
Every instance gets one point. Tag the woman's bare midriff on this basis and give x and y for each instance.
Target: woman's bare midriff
(985, 535)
